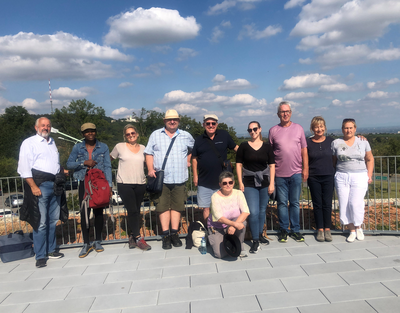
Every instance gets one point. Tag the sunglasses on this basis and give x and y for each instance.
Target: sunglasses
(211, 123)
(227, 182)
(346, 120)
(130, 134)
(252, 130)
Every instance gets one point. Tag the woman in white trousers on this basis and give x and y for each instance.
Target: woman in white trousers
(354, 165)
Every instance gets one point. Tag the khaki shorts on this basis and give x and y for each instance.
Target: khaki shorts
(173, 197)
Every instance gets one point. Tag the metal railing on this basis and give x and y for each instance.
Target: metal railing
(381, 210)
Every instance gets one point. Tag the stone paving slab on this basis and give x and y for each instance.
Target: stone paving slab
(347, 255)
(313, 282)
(295, 260)
(269, 273)
(243, 265)
(148, 298)
(237, 304)
(369, 264)
(36, 296)
(336, 267)
(393, 286)
(190, 294)
(99, 290)
(251, 288)
(198, 269)
(385, 305)
(347, 307)
(219, 278)
(133, 275)
(64, 306)
(160, 284)
(111, 268)
(74, 281)
(372, 243)
(312, 249)
(385, 251)
(27, 285)
(182, 307)
(171, 262)
(17, 308)
(377, 275)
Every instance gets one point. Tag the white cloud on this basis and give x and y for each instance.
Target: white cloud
(340, 87)
(226, 24)
(4, 103)
(199, 97)
(222, 85)
(305, 81)
(245, 99)
(217, 33)
(383, 84)
(299, 95)
(2, 87)
(251, 32)
(293, 3)
(121, 112)
(337, 103)
(255, 113)
(221, 7)
(30, 104)
(186, 53)
(381, 95)
(161, 49)
(155, 68)
(305, 61)
(68, 93)
(143, 27)
(125, 84)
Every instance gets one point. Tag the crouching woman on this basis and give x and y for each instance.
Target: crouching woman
(229, 211)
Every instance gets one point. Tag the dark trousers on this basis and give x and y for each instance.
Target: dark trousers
(132, 197)
(98, 218)
(321, 189)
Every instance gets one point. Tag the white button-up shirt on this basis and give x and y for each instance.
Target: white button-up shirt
(38, 153)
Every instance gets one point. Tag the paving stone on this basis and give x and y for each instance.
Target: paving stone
(125, 301)
(334, 267)
(346, 255)
(190, 294)
(111, 268)
(208, 258)
(182, 307)
(267, 252)
(356, 292)
(312, 249)
(171, 262)
(394, 286)
(64, 306)
(286, 310)
(237, 304)
(3, 296)
(390, 261)
(8, 267)
(243, 265)
(32, 296)
(51, 264)
(174, 253)
(313, 282)
(252, 288)
(348, 307)
(295, 260)
(356, 245)
(15, 276)
(218, 278)
(389, 241)
(16, 308)
(160, 284)
(57, 272)
(74, 281)
(269, 273)
(133, 275)
(141, 256)
(385, 305)
(92, 260)
(189, 270)
(384, 252)
(286, 245)
(99, 290)
(291, 299)
(377, 275)
(34, 284)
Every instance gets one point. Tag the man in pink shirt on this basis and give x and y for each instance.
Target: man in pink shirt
(291, 167)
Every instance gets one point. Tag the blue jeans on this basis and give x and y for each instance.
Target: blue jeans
(289, 189)
(44, 239)
(257, 200)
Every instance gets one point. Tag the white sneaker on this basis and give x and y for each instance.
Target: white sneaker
(360, 234)
(351, 237)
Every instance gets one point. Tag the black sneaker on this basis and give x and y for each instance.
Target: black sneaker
(264, 240)
(176, 242)
(41, 263)
(297, 236)
(85, 250)
(255, 246)
(166, 242)
(55, 255)
(282, 237)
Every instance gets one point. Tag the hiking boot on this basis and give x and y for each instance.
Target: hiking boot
(297, 236)
(320, 236)
(41, 263)
(264, 240)
(328, 235)
(282, 237)
(255, 246)
(351, 237)
(85, 250)
(55, 255)
(97, 246)
(141, 244)
(166, 242)
(360, 234)
(176, 242)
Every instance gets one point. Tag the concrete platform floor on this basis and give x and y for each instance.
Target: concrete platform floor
(363, 276)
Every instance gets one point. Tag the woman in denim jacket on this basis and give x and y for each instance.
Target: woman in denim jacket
(90, 153)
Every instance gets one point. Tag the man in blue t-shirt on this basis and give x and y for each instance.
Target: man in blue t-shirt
(208, 155)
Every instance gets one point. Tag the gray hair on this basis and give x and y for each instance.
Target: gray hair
(284, 103)
(225, 174)
(38, 120)
(127, 126)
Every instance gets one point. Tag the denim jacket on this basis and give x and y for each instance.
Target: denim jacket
(79, 155)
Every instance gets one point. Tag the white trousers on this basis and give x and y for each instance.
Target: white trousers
(351, 189)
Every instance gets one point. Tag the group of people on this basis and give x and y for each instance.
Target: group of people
(263, 168)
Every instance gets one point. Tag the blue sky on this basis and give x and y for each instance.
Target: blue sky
(235, 58)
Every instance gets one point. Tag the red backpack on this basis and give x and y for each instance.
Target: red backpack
(97, 191)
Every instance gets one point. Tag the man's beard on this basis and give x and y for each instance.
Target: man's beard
(43, 134)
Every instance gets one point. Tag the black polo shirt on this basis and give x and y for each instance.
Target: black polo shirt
(208, 164)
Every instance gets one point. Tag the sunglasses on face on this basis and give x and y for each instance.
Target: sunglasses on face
(130, 134)
(227, 182)
(211, 123)
(252, 130)
(285, 112)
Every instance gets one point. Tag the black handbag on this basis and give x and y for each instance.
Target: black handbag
(155, 184)
(16, 246)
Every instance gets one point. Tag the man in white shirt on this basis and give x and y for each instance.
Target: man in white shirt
(38, 164)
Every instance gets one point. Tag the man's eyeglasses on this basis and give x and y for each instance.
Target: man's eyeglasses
(285, 112)
(227, 182)
(211, 123)
(346, 120)
(252, 130)
(130, 134)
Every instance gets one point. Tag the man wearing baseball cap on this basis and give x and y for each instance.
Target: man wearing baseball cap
(209, 155)
(172, 200)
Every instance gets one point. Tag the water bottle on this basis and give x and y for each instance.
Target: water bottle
(203, 246)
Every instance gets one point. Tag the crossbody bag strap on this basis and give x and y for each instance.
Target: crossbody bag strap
(210, 142)
(168, 151)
